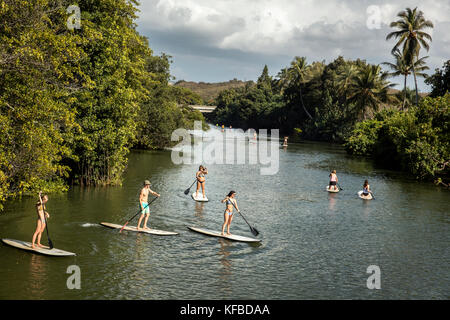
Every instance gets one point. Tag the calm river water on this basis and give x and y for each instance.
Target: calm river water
(315, 245)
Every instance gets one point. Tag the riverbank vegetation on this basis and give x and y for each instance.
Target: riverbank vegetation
(73, 102)
(353, 102)
(416, 140)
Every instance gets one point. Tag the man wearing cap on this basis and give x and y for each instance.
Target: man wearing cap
(143, 203)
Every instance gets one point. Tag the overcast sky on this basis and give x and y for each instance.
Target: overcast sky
(218, 40)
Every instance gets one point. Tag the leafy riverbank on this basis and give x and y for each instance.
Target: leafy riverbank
(415, 141)
(73, 101)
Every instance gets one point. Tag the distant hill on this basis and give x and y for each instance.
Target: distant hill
(209, 91)
(394, 91)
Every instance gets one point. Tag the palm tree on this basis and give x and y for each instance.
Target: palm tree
(369, 88)
(412, 36)
(299, 68)
(402, 67)
(408, 96)
(344, 79)
(294, 76)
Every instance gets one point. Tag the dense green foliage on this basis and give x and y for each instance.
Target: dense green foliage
(324, 101)
(73, 102)
(417, 141)
(440, 81)
(253, 106)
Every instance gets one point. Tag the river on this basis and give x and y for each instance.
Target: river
(315, 245)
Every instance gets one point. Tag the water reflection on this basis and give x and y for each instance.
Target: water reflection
(199, 206)
(366, 207)
(225, 273)
(142, 257)
(38, 276)
(331, 201)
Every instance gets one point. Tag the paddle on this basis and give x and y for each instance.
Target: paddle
(372, 195)
(50, 243)
(140, 211)
(187, 190)
(253, 230)
(340, 187)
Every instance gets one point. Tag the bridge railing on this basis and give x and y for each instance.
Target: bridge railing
(204, 109)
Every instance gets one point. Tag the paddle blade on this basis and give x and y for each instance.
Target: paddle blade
(186, 191)
(50, 244)
(254, 231)
(123, 227)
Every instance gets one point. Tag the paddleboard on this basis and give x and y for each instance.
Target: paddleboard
(46, 250)
(131, 228)
(332, 190)
(369, 197)
(199, 197)
(218, 234)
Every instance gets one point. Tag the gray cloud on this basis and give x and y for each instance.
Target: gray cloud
(220, 40)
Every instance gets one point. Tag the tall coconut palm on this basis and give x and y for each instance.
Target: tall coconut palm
(314, 79)
(295, 76)
(410, 34)
(403, 67)
(345, 78)
(299, 68)
(369, 89)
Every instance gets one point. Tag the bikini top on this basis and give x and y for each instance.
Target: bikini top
(40, 207)
(229, 201)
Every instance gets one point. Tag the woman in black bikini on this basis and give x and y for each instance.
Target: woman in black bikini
(366, 190)
(228, 214)
(200, 175)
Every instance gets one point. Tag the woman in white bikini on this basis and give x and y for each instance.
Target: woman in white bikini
(200, 175)
(228, 214)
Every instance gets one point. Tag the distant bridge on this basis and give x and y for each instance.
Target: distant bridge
(204, 109)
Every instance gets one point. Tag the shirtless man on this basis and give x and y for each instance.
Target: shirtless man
(143, 204)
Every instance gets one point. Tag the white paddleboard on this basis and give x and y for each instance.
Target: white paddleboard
(218, 234)
(199, 197)
(46, 250)
(369, 197)
(131, 228)
(332, 190)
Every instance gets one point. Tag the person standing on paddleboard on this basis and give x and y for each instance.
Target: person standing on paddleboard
(200, 175)
(333, 180)
(143, 204)
(40, 226)
(230, 202)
